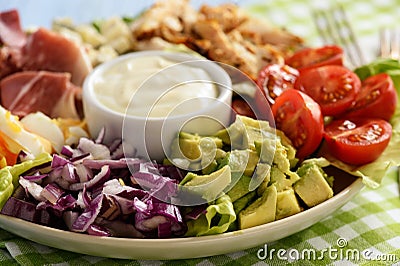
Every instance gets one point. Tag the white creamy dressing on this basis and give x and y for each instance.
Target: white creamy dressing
(173, 91)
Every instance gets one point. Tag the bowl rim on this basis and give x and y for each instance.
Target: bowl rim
(225, 91)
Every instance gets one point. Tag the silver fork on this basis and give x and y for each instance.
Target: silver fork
(334, 27)
(389, 43)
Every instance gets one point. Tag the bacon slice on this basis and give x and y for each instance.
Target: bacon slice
(50, 51)
(11, 33)
(40, 91)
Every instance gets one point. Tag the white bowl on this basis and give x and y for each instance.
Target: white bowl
(151, 136)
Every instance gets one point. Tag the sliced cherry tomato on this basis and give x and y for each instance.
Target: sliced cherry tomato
(376, 99)
(315, 57)
(241, 107)
(273, 79)
(358, 141)
(334, 88)
(300, 118)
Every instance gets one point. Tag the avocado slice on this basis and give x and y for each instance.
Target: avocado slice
(283, 180)
(190, 148)
(262, 172)
(220, 160)
(244, 131)
(286, 204)
(261, 211)
(242, 202)
(211, 167)
(210, 186)
(244, 161)
(195, 152)
(234, 135)
(240, 189)
(239, 205)
(312, 187)
(266, 149)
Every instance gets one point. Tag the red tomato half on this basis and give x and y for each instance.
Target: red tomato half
(334, 88)
(358, 141)
(377, 98)
(315, 57)
(273, 79)
(300, 118)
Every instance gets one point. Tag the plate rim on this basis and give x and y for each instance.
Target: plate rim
(187, 247)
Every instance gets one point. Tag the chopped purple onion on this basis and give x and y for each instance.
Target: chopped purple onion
(80, 157)
(58, 161)
(95, 189)
(119, 228)
(64, 203)
(67, 150)
(84, 173)
(52, 193)
(32, 189)
(114, 187)
(68, 174)
(24, 156)
(160, 213)
(97, 230)
(84, 220)
(100, 136)
(164, 230)
(27, 211)
(98, 151)
(196, 212)
(161, 187)
(97, 180)
(37, 177)
(69, 218)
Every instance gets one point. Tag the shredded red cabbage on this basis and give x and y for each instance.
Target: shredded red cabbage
(95, 190)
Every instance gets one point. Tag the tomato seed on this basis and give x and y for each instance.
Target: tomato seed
(347, 87)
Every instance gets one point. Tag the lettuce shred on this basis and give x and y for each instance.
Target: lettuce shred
(216, 220)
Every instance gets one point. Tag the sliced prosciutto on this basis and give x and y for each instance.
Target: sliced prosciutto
(12, 38)
(47, 50)
(9, 58)
(11, 33)
(40, 91)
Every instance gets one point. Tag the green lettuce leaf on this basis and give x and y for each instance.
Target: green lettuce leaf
(6, 185)
(9, 175)
(217, 219)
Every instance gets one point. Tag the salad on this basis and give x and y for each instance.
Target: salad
(248, 174)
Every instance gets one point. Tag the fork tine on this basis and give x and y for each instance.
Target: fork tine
(395, 44)
(389, 43)
(334, 27)
(384, 43)
(322, 24)
(357, 52)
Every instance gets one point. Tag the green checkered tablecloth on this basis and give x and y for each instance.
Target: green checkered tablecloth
(368, 225)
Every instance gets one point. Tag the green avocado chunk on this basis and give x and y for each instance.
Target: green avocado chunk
(242, 203)
(286, 204)
(313, 187)
(208, 186)
(261, 211)
(244, 132)
(195, 152)
(240, 189)
(244, 161)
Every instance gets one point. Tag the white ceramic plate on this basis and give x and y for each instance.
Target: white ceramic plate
(181, 248)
